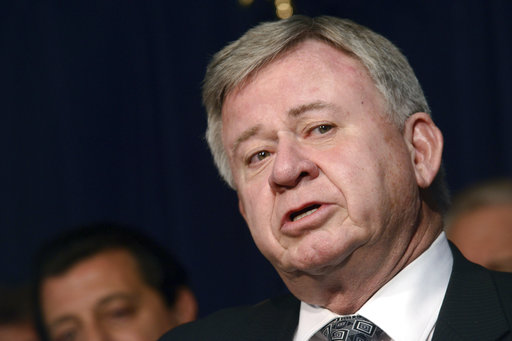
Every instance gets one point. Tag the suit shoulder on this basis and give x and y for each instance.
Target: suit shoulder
(503, 282)
(239, 322)
(212, 327)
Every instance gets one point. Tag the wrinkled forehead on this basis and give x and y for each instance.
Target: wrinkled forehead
(302, 51)
(300, 48)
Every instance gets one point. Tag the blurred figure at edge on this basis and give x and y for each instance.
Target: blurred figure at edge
(479, 222)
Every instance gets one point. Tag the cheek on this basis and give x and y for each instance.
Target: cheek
(363, 176)
(257, 203)
(258, 221)
(350, 170)
(261, 222)
(249, 209)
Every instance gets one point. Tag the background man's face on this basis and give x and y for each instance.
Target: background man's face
(484, 236)
(322, 177)
(104, 298)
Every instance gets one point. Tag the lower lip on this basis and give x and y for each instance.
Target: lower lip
(310, 222)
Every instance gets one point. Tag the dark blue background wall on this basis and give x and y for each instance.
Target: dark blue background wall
(101, 119)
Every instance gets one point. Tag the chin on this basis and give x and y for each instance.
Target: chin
(312, 262)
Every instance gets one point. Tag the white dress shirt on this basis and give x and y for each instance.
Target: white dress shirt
(406, 307)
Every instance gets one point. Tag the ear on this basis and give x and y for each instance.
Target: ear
(185, 306)
(425, 142)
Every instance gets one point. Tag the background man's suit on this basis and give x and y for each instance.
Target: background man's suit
(474, 294)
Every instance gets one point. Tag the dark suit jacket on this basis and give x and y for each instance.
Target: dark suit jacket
(477, 306)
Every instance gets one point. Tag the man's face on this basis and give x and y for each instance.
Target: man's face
(484, 236)
(104, 298)
(323, 178)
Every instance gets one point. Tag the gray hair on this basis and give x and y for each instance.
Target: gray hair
(387, 66)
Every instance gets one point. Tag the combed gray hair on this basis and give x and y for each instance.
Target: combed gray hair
(387, 66)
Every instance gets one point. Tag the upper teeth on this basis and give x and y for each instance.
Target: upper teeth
(302, 215)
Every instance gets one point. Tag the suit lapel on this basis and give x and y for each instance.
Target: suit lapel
(471, 308)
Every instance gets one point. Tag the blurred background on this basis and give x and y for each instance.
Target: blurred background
(101, 119)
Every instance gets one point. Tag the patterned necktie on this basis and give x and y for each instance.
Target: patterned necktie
(353, 328)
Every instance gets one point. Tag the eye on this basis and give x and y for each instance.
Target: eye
(69, 335)
(323, 128)
(259, 156)
(121, 312)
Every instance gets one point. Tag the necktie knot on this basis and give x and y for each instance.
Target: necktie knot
(353, 328)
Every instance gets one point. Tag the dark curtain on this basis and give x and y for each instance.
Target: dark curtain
(101, 119)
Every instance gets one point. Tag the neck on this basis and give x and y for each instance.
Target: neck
(346, 288)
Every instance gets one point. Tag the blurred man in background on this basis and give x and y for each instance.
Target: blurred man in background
(479, 222)
(105, 282)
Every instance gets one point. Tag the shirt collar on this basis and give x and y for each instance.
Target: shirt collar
(406, 307)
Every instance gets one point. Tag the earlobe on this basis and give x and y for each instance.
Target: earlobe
(425, 142)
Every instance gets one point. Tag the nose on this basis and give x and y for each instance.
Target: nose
(292, 164)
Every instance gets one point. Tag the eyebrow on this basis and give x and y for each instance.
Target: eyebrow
(117, 296)
(301, 109)
(293, 112)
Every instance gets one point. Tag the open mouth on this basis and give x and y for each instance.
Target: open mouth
(304, 212)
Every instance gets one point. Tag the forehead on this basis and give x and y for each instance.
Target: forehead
(93, 278)
(112, 264)
(312, 52)
(493, 221)
(312, 62)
